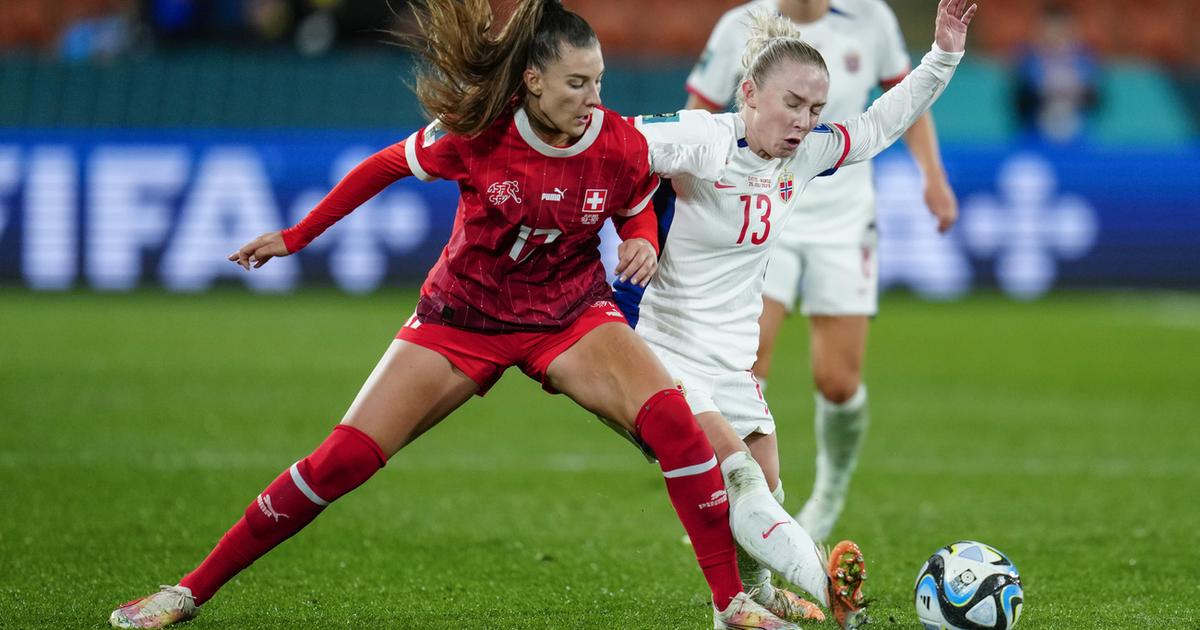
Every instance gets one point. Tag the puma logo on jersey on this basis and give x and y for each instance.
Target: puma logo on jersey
(610, 305)
(557, 195)
(499, 192)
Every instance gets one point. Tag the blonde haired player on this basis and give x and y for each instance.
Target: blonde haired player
(828, 252)
(738, 178)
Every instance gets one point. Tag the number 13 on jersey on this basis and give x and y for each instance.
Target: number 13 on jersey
(762, 227)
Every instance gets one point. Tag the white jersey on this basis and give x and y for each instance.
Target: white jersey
(731, 206)
(863, 48)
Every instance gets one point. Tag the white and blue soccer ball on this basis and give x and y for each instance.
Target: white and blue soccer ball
(968, 585)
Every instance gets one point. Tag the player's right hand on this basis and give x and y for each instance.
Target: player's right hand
(637, 260)
(260, 250)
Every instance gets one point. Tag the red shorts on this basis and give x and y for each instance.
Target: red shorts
(484, 357)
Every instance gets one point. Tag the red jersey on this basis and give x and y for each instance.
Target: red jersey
(524, 251)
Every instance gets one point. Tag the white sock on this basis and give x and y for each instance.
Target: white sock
(840, 429)
(756, 576)
(766, 532)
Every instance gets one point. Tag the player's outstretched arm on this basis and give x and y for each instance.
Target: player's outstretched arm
(358, 186)
(950, 27)
(898, 108)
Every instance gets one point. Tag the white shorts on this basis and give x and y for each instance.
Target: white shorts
(735, 395)
(833, 279)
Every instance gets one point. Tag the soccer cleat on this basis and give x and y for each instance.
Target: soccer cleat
(847, 571)
(170, 605)
(743, 613)
(819, 515)
(789, 606)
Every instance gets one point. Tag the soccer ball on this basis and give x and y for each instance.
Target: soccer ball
(968, 585)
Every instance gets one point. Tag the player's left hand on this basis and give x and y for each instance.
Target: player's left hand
(636, 261)
(942, 203)
(950, 29)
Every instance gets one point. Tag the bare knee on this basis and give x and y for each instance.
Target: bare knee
(838, 387)
(724, 439)
(765, 450)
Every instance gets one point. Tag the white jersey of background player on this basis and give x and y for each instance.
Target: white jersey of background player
(738, 179)
(828, 252)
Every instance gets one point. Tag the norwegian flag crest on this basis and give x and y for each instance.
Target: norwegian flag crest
(853, 61)
(787, 185)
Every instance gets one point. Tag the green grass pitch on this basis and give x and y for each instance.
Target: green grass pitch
(134, 429)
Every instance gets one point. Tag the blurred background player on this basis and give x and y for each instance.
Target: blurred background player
(738, 177)
(520, 283)
(828, 249)
(1056, 77)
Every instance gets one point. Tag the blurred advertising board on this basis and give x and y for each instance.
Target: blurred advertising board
(112, 211)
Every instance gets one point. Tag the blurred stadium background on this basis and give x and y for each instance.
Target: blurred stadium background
(140, 141)
(1034, 373)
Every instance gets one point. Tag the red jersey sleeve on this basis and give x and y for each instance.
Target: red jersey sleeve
(434, 153)
(359, 185)
(641, 225)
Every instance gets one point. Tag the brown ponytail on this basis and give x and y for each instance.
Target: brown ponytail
(469, 74)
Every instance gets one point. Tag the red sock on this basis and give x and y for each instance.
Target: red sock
(665, 423)
(346, 459)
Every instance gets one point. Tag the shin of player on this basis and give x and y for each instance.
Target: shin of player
(694, 484)
(840, 430)
(764, 531)
(346, 459)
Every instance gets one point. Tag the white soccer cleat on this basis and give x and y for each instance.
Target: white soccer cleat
(743, 613)
(170, 605)
(819, 515)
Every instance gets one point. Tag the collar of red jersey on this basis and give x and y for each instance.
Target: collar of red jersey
(589, 135)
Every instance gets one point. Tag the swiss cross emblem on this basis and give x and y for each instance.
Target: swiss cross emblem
(593, 199)
(499, 192)
(787, 184)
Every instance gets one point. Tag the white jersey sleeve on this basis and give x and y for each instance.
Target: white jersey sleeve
(864, 137)
(892, 53)
(689, 142)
